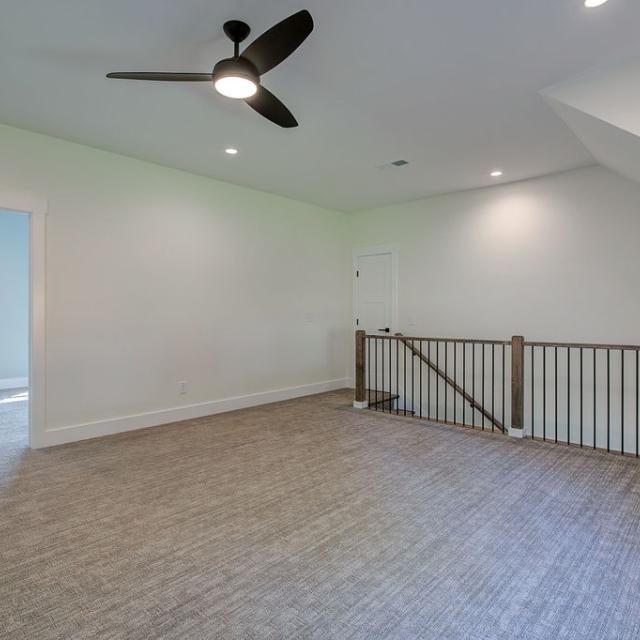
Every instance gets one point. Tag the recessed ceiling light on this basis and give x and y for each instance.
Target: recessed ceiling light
(496, 174)
(231, 151)
(590, 4)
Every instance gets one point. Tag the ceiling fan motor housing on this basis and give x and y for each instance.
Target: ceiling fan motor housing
(238, 67)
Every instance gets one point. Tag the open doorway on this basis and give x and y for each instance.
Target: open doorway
(14, 329)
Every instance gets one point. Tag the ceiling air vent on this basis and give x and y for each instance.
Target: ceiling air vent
(394, 164)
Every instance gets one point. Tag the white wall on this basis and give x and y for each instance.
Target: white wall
(555, 258)
(14, 299)
(156, 276)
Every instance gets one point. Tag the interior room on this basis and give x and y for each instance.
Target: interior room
(320, 321)
(14, 330)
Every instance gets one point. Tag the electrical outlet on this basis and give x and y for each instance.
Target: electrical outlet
(182, 386)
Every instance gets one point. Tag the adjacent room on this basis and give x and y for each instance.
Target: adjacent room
(320, 321)
(14, 331)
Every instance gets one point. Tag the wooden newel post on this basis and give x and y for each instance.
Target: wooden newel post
(517, 386)
(361, 365)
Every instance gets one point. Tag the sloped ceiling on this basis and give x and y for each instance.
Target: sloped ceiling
(602, 109)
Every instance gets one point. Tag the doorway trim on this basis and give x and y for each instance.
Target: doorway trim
(394, 250)
(36, 210)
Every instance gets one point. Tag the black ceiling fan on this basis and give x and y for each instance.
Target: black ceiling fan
(239, 77)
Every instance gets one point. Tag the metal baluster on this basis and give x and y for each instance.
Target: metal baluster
(503, 386)
(555, 380)
(473, 384)
(375, 370)
(544, 394)
(455, 377)
(382, 369)
(464, 383)
(390, 403)
(397, 376)
(437, 381)
(621, 402)
(369, 372)
(483, 402)
(533, 390)
(595, 378)
(404, 376)
(429, 380)
(581, 397)
(568, 395)
(420, 365)
(493, 395)
(446, 387)
(608, 400)
(413, 377)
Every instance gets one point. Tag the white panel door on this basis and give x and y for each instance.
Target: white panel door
(374, 293)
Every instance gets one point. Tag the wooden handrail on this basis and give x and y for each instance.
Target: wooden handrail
(442, 340)
(470, 399)
(583, 345)
(527, 343)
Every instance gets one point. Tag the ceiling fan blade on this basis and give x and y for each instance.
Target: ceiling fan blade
(267, 105)
(161, 76)
(279, 42)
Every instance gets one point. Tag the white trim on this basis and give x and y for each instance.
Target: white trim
(100, 428)
(21, 202)
(360, 405)
(13, 383)
(516, 433)
(36, 209)
(394, 250)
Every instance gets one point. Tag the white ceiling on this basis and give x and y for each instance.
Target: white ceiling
(452, 86)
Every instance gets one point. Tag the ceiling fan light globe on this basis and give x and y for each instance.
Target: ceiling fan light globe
(236, 78)
(236, 87)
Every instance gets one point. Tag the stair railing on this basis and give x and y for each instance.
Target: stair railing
(567, 393)
(456, 381)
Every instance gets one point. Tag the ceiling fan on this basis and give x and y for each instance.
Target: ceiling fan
(239, 77)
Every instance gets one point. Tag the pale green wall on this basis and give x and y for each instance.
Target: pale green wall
(156, 276)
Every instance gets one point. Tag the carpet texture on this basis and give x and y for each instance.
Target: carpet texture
(307, 519)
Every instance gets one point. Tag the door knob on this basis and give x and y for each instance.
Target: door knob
(385, 330)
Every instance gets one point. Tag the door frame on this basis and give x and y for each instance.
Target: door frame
(394, 250)
(36, 210)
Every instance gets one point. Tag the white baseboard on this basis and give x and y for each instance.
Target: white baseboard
(13, 383)
(360, 405)
(73, 433)
(516, 433)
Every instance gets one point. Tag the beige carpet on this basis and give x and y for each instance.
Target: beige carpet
(307, 519)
